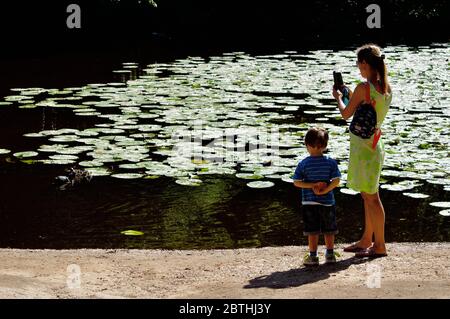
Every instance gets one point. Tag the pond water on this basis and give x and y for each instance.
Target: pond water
(199, 152)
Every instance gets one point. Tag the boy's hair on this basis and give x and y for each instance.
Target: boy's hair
(316, 137)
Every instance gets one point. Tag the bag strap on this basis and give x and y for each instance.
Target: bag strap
(368, 101)
(376, 138)
(378, 132)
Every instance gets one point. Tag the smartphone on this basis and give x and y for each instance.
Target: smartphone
(338, 81)
(339, 85)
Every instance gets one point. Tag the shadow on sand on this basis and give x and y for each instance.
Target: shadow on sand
(301, 276)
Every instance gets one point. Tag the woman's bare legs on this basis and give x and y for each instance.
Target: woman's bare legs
(375, 213)
(366, 238)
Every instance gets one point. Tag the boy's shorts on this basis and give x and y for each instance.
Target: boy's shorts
(319, 219)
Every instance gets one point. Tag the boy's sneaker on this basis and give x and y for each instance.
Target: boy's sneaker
(330, 258)
(309, 261)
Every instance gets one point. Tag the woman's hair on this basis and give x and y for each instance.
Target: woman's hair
(316, 137)
(371, 54)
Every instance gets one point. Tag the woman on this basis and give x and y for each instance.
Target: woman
(367, 154)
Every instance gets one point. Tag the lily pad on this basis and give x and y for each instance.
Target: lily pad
(65, 138)
(132, 233)
(249, 176)
(189, 182)
(348, 191)
(4, 151)
(26, 154)
(401, 186)
(63, 157)
(34, 135)
(127, 175)
(416, 195)
(90, 164)
(98, 171)
(260, 184)
(151, 176)
(441, 204)
(445, 212)
(57, 162)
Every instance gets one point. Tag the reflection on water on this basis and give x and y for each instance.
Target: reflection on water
(116, 128)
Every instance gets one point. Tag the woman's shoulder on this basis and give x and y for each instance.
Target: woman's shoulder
(360, 90)
(361, 86)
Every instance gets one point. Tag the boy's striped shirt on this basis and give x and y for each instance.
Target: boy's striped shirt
(314, 169)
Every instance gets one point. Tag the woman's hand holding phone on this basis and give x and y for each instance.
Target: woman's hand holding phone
(337, 94)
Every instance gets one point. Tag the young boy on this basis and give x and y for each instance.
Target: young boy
(317, 175)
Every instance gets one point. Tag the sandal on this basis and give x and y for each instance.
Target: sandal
(354, 249)
(370, 253)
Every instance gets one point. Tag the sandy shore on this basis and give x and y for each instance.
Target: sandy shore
(411, 271)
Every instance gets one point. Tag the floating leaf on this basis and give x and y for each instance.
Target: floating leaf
(249, 176)
(416, 195)
(63, 157)
(401, 186)
(26, 154)
(57, 162)
(29, 162)
(4, 151)
(441, 204)
(445, 212)
(260, 184)
(98, 171)
(151, 177)
(189, 182)
(348, 191)
(34, 135)
(132, 233)
(127, 175)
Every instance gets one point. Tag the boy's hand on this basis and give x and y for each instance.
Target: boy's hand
(322, 191)
(319, 188)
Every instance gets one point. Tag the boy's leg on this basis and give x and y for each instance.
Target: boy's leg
(329, 241)
(311, 259)
(311, 221)
(329, 228)
(313, 242)
(330, 257)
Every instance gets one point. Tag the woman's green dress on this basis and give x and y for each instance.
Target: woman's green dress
(364, 167)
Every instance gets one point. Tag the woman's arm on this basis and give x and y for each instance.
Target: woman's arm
(356, 98)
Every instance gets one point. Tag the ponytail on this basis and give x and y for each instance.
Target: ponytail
(382, 71)
(371, 54)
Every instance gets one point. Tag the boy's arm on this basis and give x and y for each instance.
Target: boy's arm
(334, 183)
(303, 184)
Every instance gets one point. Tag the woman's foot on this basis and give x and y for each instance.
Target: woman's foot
(357, 247)
(372, 252)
